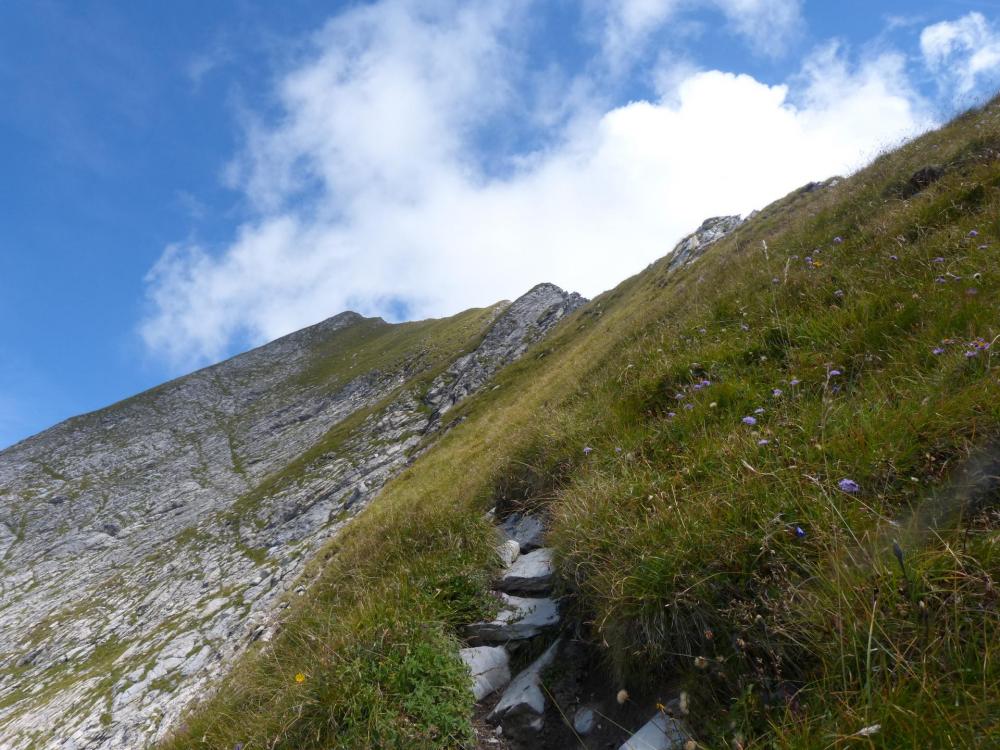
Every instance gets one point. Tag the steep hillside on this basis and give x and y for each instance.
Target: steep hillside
(144, 546)
(771, 477)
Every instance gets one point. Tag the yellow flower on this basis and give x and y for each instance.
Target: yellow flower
(300, 677)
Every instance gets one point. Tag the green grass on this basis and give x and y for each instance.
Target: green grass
(681, 535)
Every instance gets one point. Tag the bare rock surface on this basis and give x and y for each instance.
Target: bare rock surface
(519, 619)
(527, 530)
(521, 710)
(489, 667)
(529, 574)
(662, 732)
(143, 547)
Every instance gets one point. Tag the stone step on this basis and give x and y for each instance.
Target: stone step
(489, 667)
(521, 709)
(530, 574)
(660, 733)
(519, 618)
(527, 531)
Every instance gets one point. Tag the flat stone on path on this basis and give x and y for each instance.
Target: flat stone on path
(489, 666)
(519, 619)
(521, 710)
(659, 733)
(531, 573)
(527, 531)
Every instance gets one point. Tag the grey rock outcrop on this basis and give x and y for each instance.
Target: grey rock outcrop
(691, 247)
(528, 531)
(143, 547)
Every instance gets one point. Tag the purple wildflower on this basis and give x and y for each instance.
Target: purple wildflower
(794, 381)
(744, 327)
(937, 350)
(893, 257)
(809, 260)
(705, 383)
(984, 247)
(759, 410)
(940, 280)
(834, 373)
(849, 485)
(971, 353)
(980, 343)
(972, 291)
(688, 407)
(973, 233)
(587, 450)
(618, 450)
(671, 414)
(839, 294)
(679, 396)
(799, 532)
(835, 389)
(749, 420)
(775, 280)
(776, 392)
(763, 441)
(837, 240)
(938, 259)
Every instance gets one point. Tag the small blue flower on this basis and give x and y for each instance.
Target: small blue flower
(837, 240)
(777, 392)
(893, 257)
(800, 532)
(749, 420)
(587, 450)
(763, 441)
(938, 259)
(794, 381)
(940, 280)
(671, 414)
(849, 485)
(971, 353)
(834, 373)
(688, 407)
(973, 233)
(937, 350)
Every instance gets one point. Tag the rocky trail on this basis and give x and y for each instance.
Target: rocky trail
(537, 679)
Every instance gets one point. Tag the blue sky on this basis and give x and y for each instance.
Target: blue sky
(183, 180)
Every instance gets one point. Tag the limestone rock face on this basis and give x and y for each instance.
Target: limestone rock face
(692, 246)
(144, 546)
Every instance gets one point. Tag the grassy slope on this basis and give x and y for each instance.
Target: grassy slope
(684, 537)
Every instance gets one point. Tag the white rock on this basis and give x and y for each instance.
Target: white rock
(489, 667)
(583, 720)
(530, 573)
(520, 618)
(527, 531)
(659, 733)
(509, 551)
(521, 710)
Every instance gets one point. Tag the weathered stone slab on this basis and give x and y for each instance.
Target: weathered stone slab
(527, 531)
(508, 552)
(660, 733)
(489, 667)
(530, 574)
(521, 710)
(519, 619)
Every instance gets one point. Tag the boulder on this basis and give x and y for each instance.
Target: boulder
(489, 667)
(508, 552)
(521, 710)
(531, 573)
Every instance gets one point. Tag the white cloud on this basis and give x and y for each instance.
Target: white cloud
(371, 189)
(963, 53)
(766, 24)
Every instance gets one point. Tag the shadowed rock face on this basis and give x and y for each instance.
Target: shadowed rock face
(144, 546)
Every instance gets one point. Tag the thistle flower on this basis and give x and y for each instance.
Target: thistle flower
(749, 421)
(849, 485)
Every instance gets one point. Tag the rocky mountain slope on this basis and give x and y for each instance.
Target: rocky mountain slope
(143, 546)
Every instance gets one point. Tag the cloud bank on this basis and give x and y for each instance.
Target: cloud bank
(375, 188)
